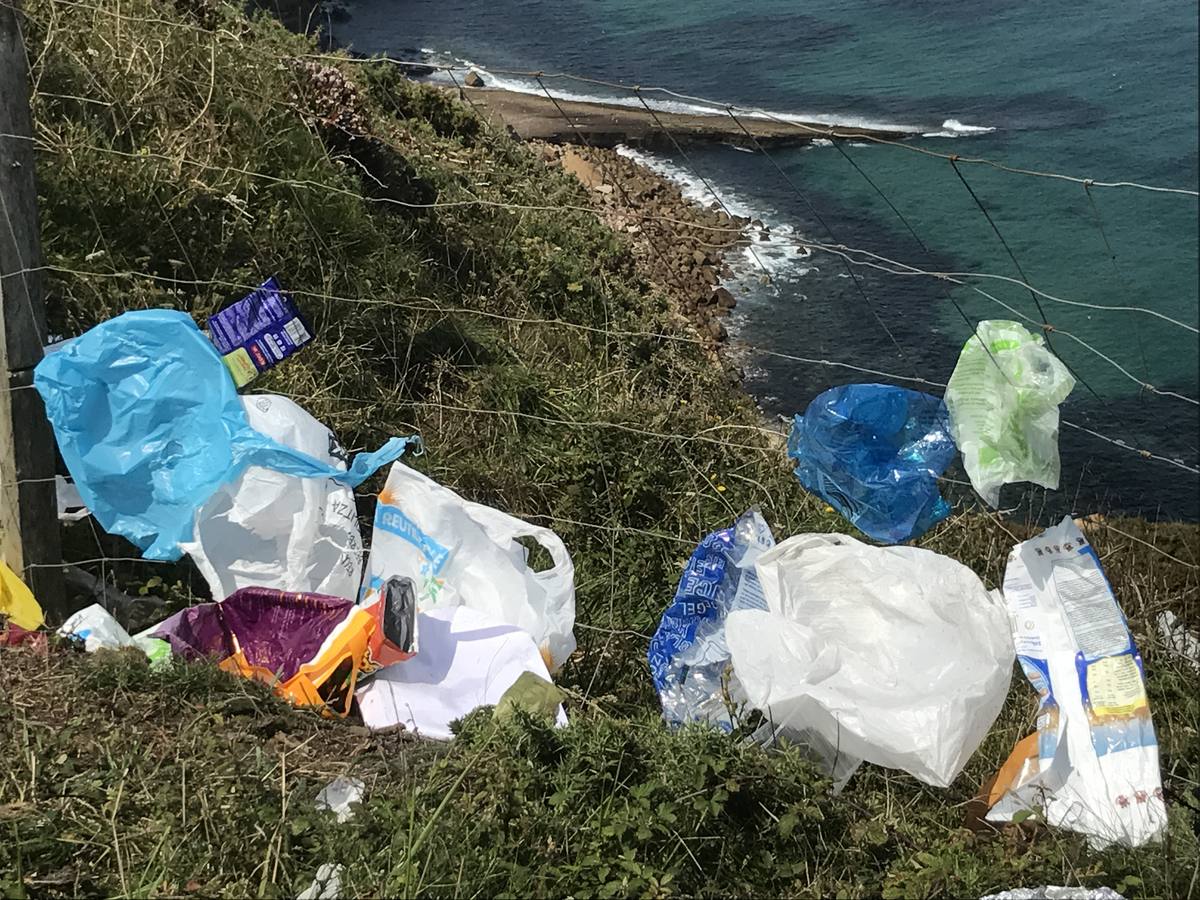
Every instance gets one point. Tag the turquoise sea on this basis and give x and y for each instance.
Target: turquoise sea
(1104, 90)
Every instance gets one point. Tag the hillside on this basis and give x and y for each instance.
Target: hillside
(462, 289)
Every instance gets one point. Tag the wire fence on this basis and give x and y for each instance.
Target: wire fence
(763, 441)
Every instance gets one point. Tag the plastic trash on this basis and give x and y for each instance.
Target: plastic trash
(1055, 892)
(688, 655)
(17, 601)
(71, 507)
(454, 552)
(893, 655)
(96, 627)
(532, 694)
(1003, 399)
(1176, 637)
(150, 425)
(311, 649)
(271, 529)
(1096, 766)
(327, 885)
(15, 636)
(258, 332)
(98, 630)
(875, 452)
(467, 659)
(340, 797)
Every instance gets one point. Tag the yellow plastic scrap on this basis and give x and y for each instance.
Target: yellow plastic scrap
(532, 693)
(16, 601)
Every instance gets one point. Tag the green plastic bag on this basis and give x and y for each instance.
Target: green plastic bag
(1003, 399)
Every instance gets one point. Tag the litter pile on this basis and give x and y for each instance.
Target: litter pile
(164, 451)
(890, 655)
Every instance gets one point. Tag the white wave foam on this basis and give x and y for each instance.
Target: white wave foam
(955, 128)
(770, 249)
(517, 84)
(521, 85)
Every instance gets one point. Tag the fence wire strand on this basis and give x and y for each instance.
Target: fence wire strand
(769, 439)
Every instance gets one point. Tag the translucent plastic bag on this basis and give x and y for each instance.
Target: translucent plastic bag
(688, 654)
(1003, 399)
(457, 553)
(892, 655)
(270, 529)
(874, 452)
(150, 426)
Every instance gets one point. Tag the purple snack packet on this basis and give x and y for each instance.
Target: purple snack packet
(258, 332)
(276, 630)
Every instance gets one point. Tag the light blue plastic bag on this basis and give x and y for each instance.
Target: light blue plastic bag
(150, 425)
(875, 452)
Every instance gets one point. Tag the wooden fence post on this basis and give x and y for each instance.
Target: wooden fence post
(29, 529)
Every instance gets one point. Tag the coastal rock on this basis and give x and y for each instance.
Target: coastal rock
(707, 273)
(700, 256)
(725, 300)
(716, 330)
(589, 175)
(474, 79)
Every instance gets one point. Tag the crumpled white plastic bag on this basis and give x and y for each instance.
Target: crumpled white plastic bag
(98, 630)
(458, 553)
(892, 655)
(270, 529)
(468, 660)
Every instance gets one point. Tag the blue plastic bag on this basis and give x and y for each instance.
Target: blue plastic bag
(688, 654)
(150, 425)
(874, 452)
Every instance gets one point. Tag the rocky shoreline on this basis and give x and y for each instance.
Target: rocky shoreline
(679, 245)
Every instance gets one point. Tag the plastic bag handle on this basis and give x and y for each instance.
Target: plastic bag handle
(501, 524)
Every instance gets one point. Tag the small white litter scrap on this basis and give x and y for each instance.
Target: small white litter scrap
(327, 885)
(340, 796)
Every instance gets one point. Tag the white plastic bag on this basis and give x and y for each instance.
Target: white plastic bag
(95, 626)
(458, 553)
(893, 655)
(468, 659)
(268, 529)
(71, 507)
(1096, 768)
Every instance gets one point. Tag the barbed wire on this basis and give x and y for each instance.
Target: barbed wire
(678, 439)
(796, 241)
(911, 270)
(846, 132)
(429, 306)
(717, 106)
(906, 269)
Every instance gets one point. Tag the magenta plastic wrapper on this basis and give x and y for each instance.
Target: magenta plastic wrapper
(276, 630)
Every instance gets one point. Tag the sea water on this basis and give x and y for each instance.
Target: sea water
(1104, 90)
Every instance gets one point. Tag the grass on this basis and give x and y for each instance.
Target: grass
(185, 153)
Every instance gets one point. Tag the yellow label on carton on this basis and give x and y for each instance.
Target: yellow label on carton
(1115, 686)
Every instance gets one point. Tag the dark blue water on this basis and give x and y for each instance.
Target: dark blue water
(1105, 89)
